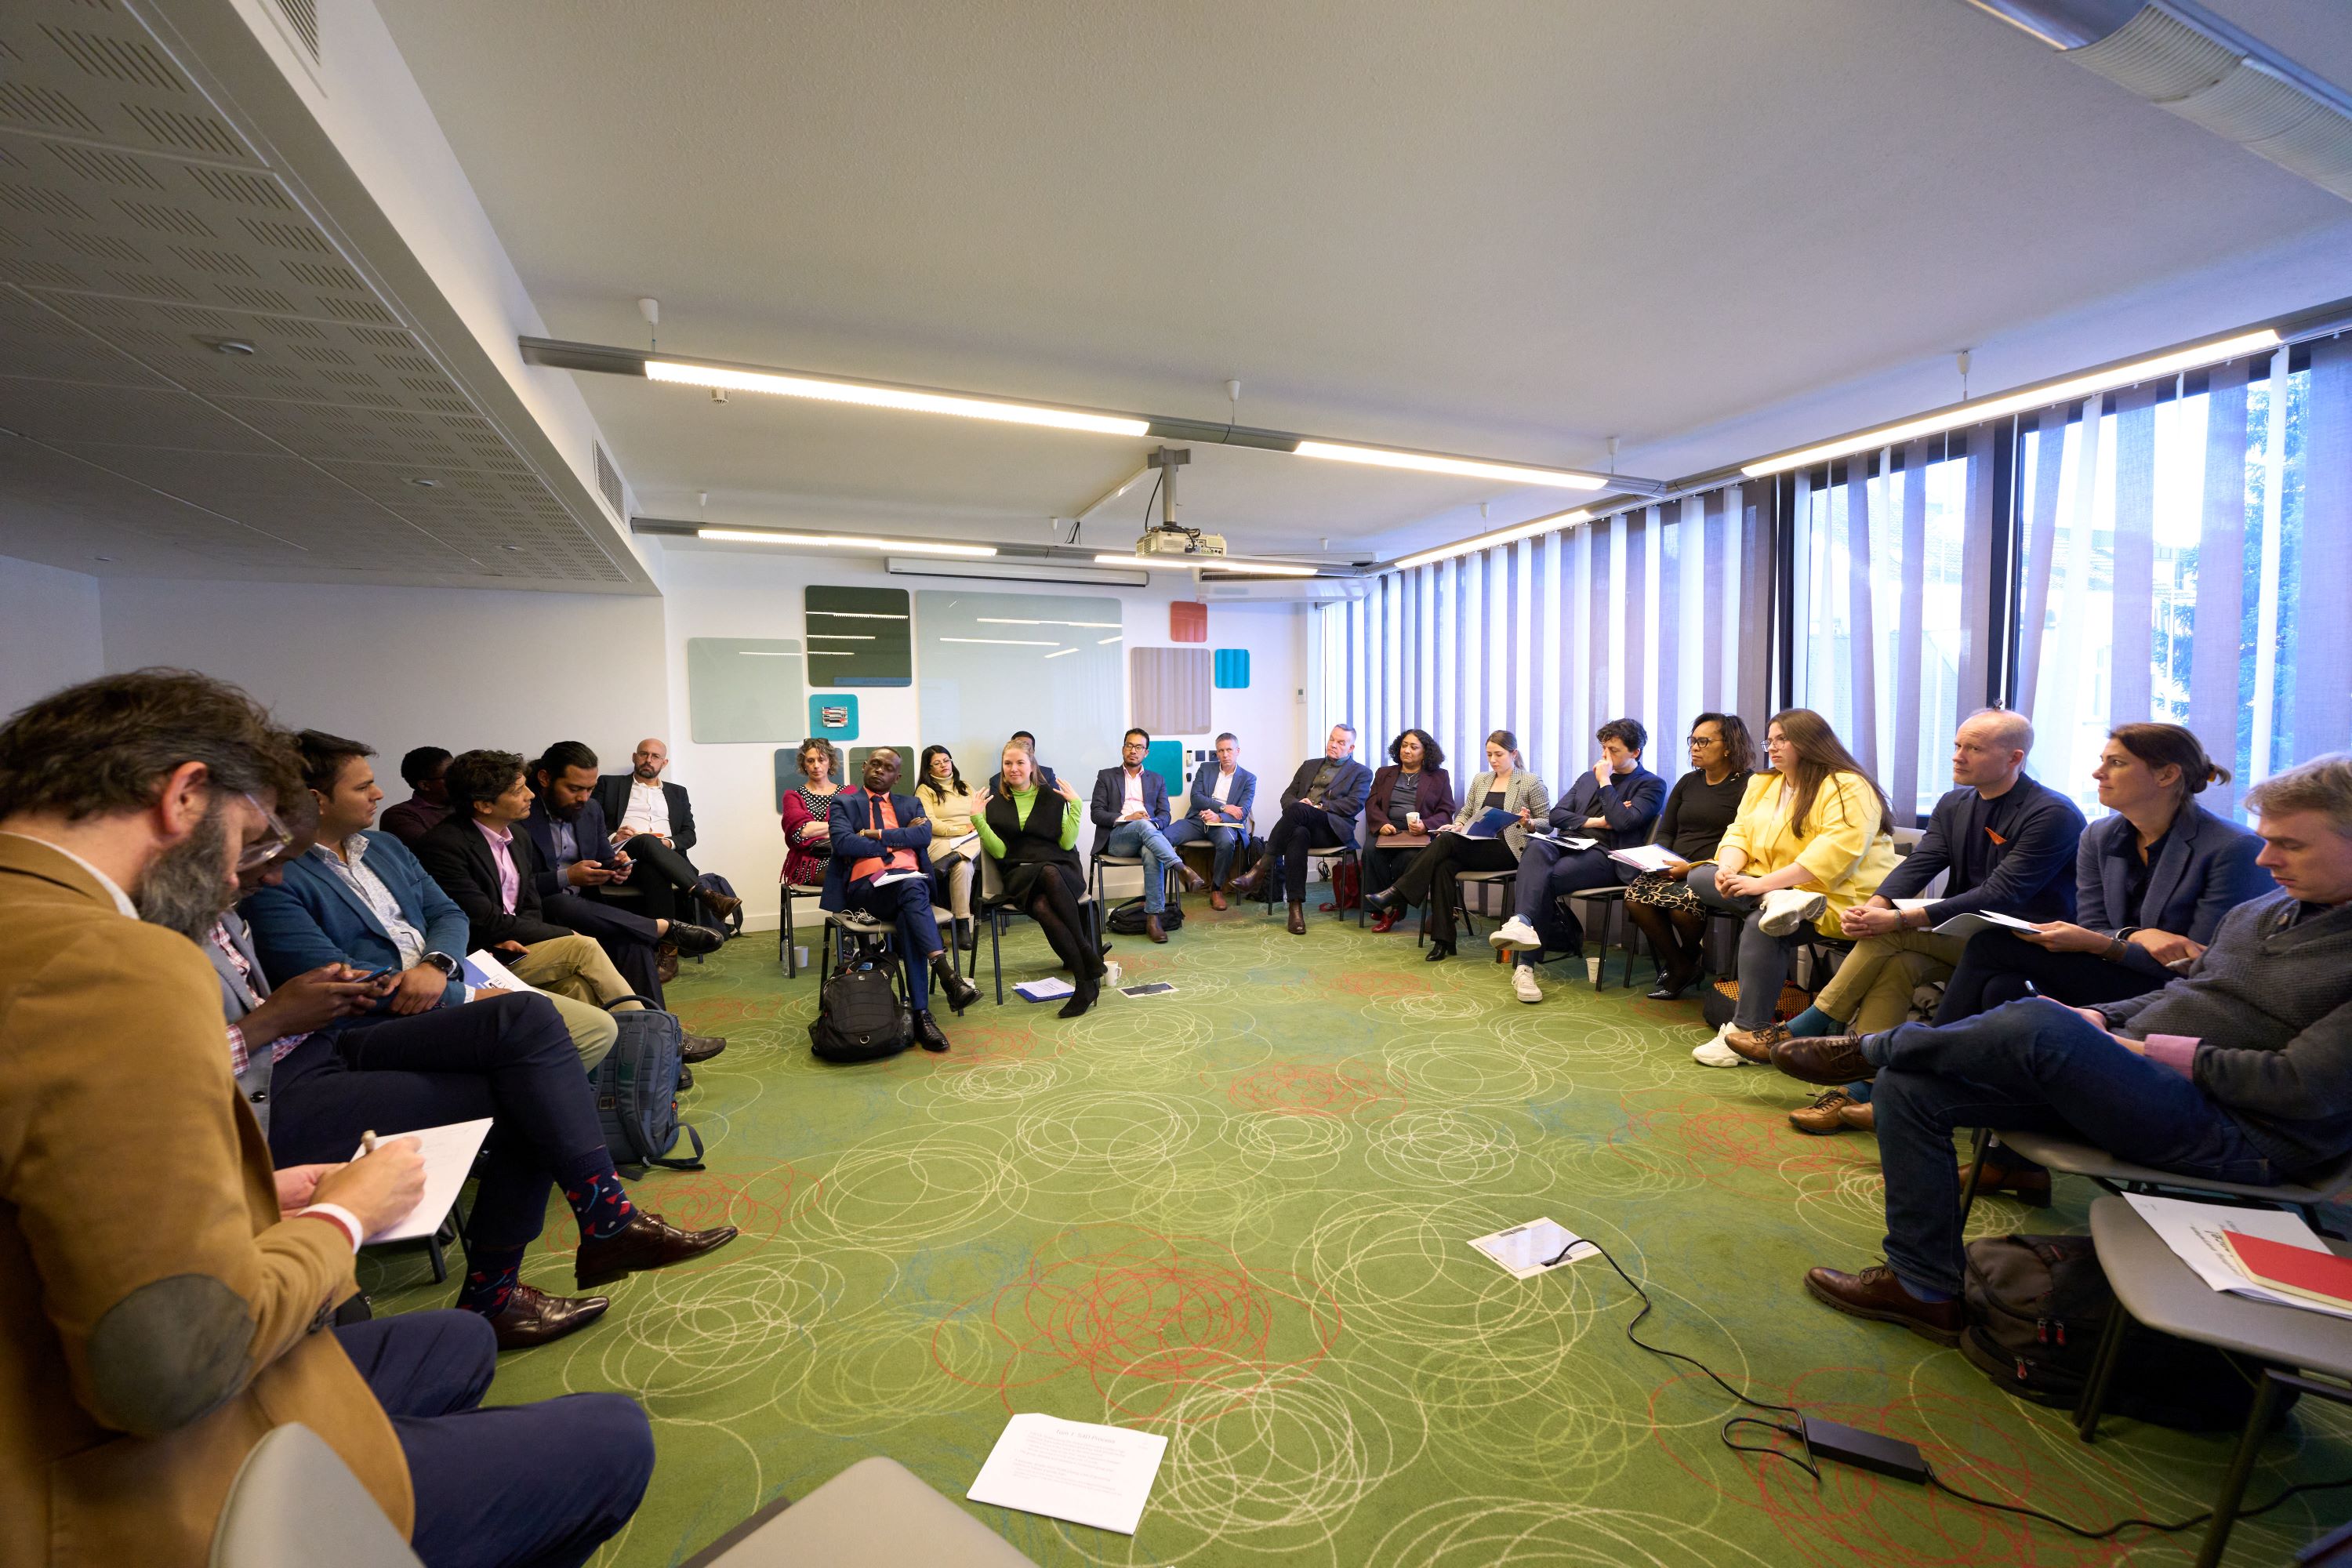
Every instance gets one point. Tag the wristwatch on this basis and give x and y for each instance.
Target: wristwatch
(442, 961)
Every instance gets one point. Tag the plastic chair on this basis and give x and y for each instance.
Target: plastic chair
(1463, 881)
(1610, 904)
(989, 904)
(2067, 1156)
(294, 1502)
(1338, 855)
(2154, 1286)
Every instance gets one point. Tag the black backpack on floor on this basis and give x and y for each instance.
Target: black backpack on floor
(1127, 919)
(2036, 1308)
(860, 1016)
(636, 1086)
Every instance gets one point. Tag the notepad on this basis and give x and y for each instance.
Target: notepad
(2320, 1277)
(483, 970)
(2202, 1236)
(1645, 856)
(1046, 989)
(1969, 924)
(448, 1152)
(1553, 835)
(1076, 1470)
(1491, 823)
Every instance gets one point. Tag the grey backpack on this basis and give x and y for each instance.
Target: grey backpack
(636, 1090)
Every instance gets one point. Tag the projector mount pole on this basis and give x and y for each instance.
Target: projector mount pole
(1167, 459)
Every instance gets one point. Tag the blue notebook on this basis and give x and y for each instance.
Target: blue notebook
(1492, 823)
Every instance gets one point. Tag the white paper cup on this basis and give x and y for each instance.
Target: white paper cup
(1110, 972)
(1412, 821)
(800, 957)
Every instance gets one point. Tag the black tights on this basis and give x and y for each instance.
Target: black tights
(1676, 936)
(1057, 912)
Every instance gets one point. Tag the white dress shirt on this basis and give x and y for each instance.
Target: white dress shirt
(649, 809)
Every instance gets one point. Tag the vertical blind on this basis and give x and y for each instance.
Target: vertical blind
(2180, 551)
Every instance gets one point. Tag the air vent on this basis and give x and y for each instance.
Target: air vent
(246, 190)
(608, 481)
(42, 199)
(102, 167)
(302, 19)
(187, 133)
(160, 219)
(228, 263)
(126, 60)
(284, 236)
(28, 105)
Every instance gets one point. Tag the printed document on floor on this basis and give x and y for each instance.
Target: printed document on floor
(1527, 1250)
(1071, 1469)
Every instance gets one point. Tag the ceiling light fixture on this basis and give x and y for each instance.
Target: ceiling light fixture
(2089, 384)
(841, 542)
(1006, 642)
(1501, 536)
(1066, 650)
(1204, 563)
(878, 394)
(1466, 467)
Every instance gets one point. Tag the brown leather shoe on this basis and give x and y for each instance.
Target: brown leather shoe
(1191, 880)
(1298, 919)
(1245, 884)
(1823, 1116)
(1876, 1294)
(722, 905)
(701, 1049)
(1859, 1116)
(1153, 929)
(1832, 1060)
(646, 1242)
(2030, 1184)
(665, 964)
(1217, 898)
(533, 1317)
(1756, 1045)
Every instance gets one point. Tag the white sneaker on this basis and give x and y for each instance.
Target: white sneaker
(1716, 1054)
(1514, 933)
(1523, 984)
(1789, 908)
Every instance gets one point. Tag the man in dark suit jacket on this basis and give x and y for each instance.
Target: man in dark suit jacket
(1615, 805)
(489, 870)
(2005, 842)
(877, 834)
(1130, 816)
(1319, 812)
(654, 824)
(577, 859)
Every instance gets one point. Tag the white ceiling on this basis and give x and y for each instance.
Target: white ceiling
(1511, 229)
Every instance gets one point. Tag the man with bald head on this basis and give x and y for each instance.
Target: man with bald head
(2005, 844)
(652, 820)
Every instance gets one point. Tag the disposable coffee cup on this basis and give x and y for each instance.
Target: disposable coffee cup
(1110, 972)
(1412, 821)
(800, 957)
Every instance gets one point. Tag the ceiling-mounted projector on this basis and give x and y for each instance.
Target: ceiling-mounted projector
(1166, 541)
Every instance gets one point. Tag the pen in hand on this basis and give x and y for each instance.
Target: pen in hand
(367, 1143)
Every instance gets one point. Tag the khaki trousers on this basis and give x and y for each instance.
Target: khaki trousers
(1871, 989)
(580, 980)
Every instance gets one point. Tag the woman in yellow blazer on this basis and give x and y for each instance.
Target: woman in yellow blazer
(1814, 836)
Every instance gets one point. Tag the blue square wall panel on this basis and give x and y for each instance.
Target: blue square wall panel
(1233, 669)
(833, 715)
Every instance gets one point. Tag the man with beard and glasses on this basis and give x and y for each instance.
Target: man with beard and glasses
(577, 859)
(652, 824)
(163, 1295)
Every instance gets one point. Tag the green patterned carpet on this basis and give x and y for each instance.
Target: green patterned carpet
(1239, 1215)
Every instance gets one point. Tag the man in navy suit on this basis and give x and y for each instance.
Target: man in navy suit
(1130, 814)
(577, 857)
(1218, 812)
(1615, 806)
(881, 865)
(1319, 812)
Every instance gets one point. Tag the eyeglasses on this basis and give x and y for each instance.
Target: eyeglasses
(264, 850)
(1705, 740)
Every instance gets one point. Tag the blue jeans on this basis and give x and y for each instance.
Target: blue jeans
(1763, 964)
(906, 905)
(522, 1486)
(1547, 871)
(2010, 1070)
(1225, 840)
(1145, 839)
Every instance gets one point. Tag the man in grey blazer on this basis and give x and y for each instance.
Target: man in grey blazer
(1319, 812)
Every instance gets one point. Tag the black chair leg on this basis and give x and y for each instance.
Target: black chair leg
(2241, 1467)
(995, 953)
(2094, 1398)
(1976, 1168)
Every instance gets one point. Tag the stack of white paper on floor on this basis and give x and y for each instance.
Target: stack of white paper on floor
(2194, 1232)
(1071, 1469)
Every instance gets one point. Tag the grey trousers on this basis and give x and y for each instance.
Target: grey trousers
(1763, 960)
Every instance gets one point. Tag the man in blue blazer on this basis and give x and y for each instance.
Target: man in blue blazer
(577, 859)
(1130, 816)
(1616, 804)
(881, 865)
(1217, 811)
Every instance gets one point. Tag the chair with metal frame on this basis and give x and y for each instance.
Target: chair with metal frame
(784, 954)
(1098, 862)
(2070, 1157)
(989, 905)
(1338, 855)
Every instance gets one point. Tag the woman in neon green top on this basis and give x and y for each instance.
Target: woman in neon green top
(1042, 876)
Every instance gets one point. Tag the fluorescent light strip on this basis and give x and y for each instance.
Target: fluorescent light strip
(1105, 642)
(842, 541)
(1204, 563)
(856, 616)
(1467, 468)
(1066, 650)
(2031, 397)
(1011, 621)
(831, 653)
(1501, 536)
(879, 397)
(842, 636)
(1007, 642)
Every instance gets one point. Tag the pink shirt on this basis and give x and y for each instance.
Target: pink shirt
(509, 883)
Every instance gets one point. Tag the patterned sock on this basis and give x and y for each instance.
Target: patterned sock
(490, 1275)
(1812, 1023)
(598, 1201)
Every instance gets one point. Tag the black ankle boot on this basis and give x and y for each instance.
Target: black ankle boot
(960, 992)
(1084, 996)
(927, 1032)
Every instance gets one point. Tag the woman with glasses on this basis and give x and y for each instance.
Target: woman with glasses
(1815, 836)
(949, 802)
(808, 843)
(1702, 803)
(1503, 785)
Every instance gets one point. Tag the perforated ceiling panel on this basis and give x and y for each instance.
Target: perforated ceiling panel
(139, 232)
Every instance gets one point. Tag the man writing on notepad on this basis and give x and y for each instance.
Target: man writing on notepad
(881, 865)
(160, 1310)
(2240, 1070)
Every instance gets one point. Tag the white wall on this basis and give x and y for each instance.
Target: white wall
(49, 631)
(734, 593)
(398, 667)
